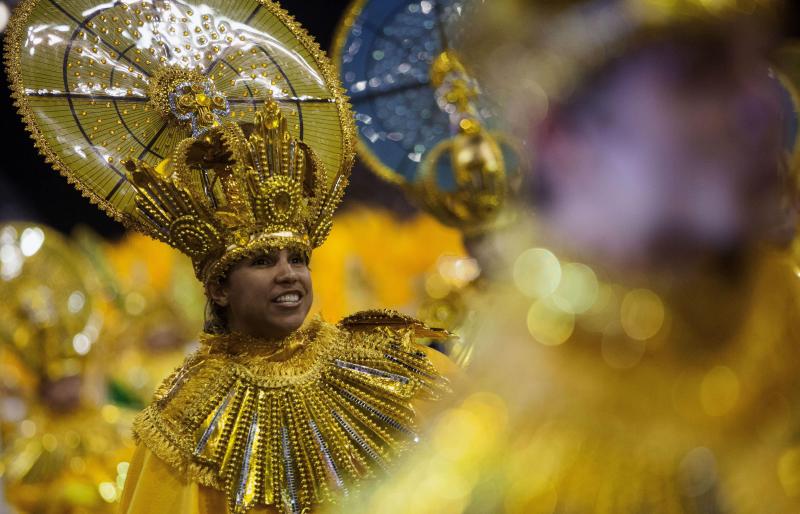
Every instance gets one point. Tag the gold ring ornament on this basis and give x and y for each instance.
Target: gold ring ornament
(422, 119)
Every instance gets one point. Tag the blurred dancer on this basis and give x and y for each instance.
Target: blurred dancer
(662, 377)
(157, 307)
(65, 449)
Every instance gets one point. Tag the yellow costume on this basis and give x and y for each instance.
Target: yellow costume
(235, 139)
(288, 423)
(62, 448)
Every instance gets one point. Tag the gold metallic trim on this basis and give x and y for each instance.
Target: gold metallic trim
(340, 37)
(343, 400)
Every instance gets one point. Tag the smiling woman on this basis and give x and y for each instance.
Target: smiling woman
(241, 171)
(272, 412)
(268, 295)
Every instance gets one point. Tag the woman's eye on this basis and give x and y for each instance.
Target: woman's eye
(297, 259)
(262, 261)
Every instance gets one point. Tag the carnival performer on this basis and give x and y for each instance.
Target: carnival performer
(237, 154)
(63, 446)
(268, 412)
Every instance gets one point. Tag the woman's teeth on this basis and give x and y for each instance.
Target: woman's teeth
(287, 298)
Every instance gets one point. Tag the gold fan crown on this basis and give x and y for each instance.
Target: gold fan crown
(234, 190)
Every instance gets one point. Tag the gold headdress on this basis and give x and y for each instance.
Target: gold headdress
(191, 122)
(227, 193)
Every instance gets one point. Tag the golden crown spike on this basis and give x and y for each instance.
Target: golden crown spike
(235, 190)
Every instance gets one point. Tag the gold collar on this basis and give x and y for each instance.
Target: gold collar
(298, 432)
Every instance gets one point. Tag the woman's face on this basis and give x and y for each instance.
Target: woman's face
(268, 295)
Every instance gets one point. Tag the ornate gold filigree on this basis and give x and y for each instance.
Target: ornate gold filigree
(164, 81)
(297, 432)
(185, 96)
(93, 173)
(236, 189)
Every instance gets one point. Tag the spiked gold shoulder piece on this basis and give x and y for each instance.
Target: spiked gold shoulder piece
(291, 433)
(236, 189)
(390, 320)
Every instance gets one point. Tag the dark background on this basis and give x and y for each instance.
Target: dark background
(31, 190)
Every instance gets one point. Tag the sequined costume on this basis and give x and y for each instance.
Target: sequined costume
(288, 423)
(249, 149)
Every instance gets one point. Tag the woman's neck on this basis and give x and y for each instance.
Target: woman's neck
(273, 348)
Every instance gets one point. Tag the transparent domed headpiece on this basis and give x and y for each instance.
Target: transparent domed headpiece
(99, 84)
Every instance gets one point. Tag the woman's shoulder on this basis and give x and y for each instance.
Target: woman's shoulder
(392, 329)
(387, 319)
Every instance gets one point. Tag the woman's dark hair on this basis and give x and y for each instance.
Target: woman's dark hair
(215, 318)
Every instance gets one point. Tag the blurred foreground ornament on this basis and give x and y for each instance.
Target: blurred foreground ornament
(630, 391)
(786, 72)
(423, 122)
(629, 407)
(68, 447)
(542, 51)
